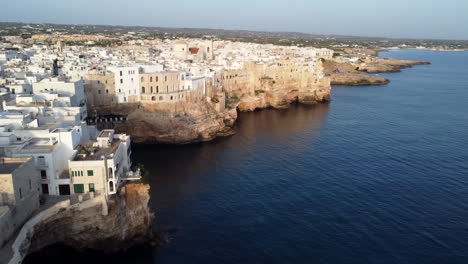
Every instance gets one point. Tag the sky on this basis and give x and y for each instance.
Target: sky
(436, 19)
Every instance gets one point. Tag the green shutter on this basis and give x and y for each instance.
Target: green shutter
(78, 188)
(91, 187)
(90, 173)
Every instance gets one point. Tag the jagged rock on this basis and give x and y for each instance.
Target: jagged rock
(84, 226)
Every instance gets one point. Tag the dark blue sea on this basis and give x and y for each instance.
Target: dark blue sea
(378, 175)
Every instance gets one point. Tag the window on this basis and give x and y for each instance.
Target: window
(157, 78)
(160, 98)
(43, 174)
(151, 79)
(107, 91)
(143, 89)
(41, 161)
(110, 173)
(78, 188)
(20, 193)
(45, 188)
(90, 173)
(121, 80)
(99, 91)
(120, 73)
(91, 187)
(77, 173)
(111, 186)
(30, 184)
(151, 89)
(157, 89)
(165, 78)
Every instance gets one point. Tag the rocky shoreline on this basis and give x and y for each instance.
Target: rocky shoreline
(354, 74)
(123, 221)
(201, 120)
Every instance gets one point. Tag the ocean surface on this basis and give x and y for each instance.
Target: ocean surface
(378, 175)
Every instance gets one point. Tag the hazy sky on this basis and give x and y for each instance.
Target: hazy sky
(447, 19)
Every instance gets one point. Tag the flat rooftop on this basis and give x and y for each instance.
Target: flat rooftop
(8, 168)
(98, 152)
(8, 165)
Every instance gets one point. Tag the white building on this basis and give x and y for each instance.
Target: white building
(126, 82)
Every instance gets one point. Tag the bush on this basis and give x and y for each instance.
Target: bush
(257, 92)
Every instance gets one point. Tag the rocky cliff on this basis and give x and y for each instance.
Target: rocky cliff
(171, 123)
(84, 226)
(202, 119)
(352, 74)
(280, 97)
(382, 65)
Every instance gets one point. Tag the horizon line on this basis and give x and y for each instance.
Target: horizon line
(246, 30)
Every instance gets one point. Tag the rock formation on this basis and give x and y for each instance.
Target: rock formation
(260, 86)
(83, 225)
(201, 119)
(351, 74)
(381, 65)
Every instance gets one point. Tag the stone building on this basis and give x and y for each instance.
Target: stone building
(100, 89)
(19, 197)
(170, 87)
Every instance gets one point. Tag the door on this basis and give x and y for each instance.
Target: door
(64, 189)
(78, 188)
(45, 188)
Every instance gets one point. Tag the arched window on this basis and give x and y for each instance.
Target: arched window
(160, 98)
(157, 89)
(165, 78)
(151, 89)
(151, 78)
(142, 89)
(171, 97)
(153, 98)
(111, 186)
(111, 175)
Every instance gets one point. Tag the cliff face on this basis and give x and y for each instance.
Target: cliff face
(382, 65)
(280, 97)
(171, 123)
(202, 119)
(83, 225)
(276, 85)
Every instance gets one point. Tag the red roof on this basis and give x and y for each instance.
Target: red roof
(194, 50)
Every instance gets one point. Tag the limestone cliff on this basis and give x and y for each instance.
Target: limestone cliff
(171, 123)
(201, 119)
(276, 85)
(382, 65)
(83, 225)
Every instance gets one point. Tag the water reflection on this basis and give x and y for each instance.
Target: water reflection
(179, 172)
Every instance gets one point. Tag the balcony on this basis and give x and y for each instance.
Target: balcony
(64, 175)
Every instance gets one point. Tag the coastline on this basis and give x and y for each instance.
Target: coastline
(280, 99)
(200, 120)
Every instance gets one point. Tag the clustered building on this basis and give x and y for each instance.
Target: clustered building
(47, 91)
